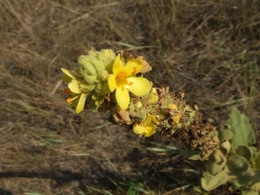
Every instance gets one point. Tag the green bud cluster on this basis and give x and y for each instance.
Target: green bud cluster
(96, 66)
(94, 69)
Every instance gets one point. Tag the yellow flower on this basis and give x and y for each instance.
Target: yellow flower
(177, 117)
(146, 127)
(173, 106)
(153, 98)
(124, 80)
(78, 98)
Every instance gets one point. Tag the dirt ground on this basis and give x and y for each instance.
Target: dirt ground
(207, 48)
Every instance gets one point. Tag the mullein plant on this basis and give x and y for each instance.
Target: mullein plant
(106, 81)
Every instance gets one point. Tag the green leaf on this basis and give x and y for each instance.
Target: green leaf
(135, 188)
(213, 168)
(241, 128)
(256, 187)
(225, 147)
(245, 152)
(209, 182)
(237, 164)
(218, 157)
(254, 150)
(257, 161)
(250, 178)
(190, 154)
(249, 193)
(225, 133)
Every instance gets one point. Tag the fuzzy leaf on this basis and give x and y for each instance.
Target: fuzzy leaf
(254, 150)
(256, 187)
(245, 152)
(218, 157)
(241, 128)
(249, 193)
(209, 182)
(257, 161)
(237, 164)
(250, 177)
(191, 154)
(225, 147)
(225, 133)
(213, 168)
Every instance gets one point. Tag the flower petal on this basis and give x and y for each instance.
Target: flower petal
(150, 130)
(144, 130)
(173, 106)
(132, 67)
(117, 66)
(122, 97)
(154, 120)
(139, 129)
(67, 72)
(177, 118)
(112, 82)
(153, 97)
(138, 85)
(74, 86)
(81, 103)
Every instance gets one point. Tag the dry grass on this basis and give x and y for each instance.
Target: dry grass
(207, 48)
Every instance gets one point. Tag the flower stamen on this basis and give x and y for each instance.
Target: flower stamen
(121, 77)
(134, 71)
(70, 99)
(123, 81)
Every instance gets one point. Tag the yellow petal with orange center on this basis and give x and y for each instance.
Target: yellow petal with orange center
(138, 85)
(122, 97)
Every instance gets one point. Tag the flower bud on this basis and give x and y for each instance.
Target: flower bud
(89, 79)
(86, 65)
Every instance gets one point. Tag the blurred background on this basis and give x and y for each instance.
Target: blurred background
(209, 49)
